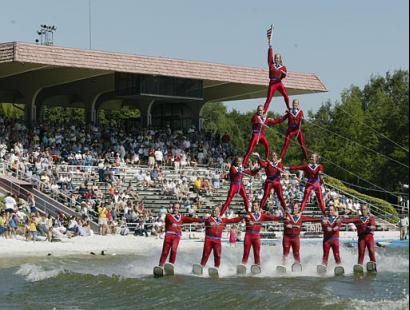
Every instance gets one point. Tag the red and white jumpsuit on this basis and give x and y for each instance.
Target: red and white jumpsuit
(331, 226)
(295, 119)
(366, 225)
(173, 232)
(273, 173)
(252, 237)
(291, 234)
(213, 234)
(236, 177)
(277, 73)
(314, 182)
(259, 125)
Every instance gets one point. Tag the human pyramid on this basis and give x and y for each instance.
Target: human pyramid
(292, 219)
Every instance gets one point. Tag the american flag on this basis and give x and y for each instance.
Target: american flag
(270, 30)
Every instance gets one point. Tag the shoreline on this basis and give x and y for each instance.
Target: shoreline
(121, 245)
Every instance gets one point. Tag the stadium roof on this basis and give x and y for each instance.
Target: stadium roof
(221, 82)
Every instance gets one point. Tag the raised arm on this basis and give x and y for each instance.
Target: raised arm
(275, 121)
(234, 220)
(299, 167)
(270, 55)
(188, 220)
(262, 162)
(268, 217)
(251, 173)
(351, 220)
(372, 223)
(311, 219)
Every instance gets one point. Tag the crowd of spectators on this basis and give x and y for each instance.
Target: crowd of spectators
(53, 156)
(88, 145)
(19, 217)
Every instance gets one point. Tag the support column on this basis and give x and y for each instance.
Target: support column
(197, 109)
(31, 106)
(91, 109)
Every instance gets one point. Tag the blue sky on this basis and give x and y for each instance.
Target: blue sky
(344, 42)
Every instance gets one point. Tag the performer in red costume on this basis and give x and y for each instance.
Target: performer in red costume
(214, 226)
(291, 236)
(236, 173)
(295, 119)
(252, 237)
(331, 224)
(277, 72)
(313, 172)
(259, 124)
(173, 232)
(366, 225)
(273, 171)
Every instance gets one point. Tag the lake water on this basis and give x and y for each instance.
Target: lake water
(125, 282)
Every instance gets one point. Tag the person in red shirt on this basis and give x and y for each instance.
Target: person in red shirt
(273, 169)
(295, 119)
(254, 222)
(259, 124)
(236, 173)
(313, 171)
(366, 225)
(277, 72)
(226, 138)
(331, 224)
(291, 236)
(214, 226)
(173, 232)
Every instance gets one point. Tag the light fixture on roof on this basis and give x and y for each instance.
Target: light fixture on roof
(46, 34)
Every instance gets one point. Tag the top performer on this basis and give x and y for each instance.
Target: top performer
(277, 72)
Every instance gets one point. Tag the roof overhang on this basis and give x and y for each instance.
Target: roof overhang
(221, 82)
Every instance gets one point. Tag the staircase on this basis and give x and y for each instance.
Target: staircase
(44, 203)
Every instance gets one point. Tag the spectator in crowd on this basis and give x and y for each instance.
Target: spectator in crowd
(404, 227)
(102, 220)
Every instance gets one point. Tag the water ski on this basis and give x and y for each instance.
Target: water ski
(281, 269)
(358, 270)
(169, 269)
(321, 269)
(197, 270)
(371, 267)
(297, 267)
(339, 271)
(158, 272)
(241, 270)
(213, 272)
(256, 269)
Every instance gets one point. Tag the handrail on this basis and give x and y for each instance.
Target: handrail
(381, 210)
(20, 175)
(23, 190)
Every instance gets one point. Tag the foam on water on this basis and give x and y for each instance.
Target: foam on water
(142, 266)
(382, 304)
(115, 281)
(36, 272)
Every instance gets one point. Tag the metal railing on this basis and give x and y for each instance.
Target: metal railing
(382, 214)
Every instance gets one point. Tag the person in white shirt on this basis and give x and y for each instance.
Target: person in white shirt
(159, 157)
(404, 226)
(9, 206)
(10, 203)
